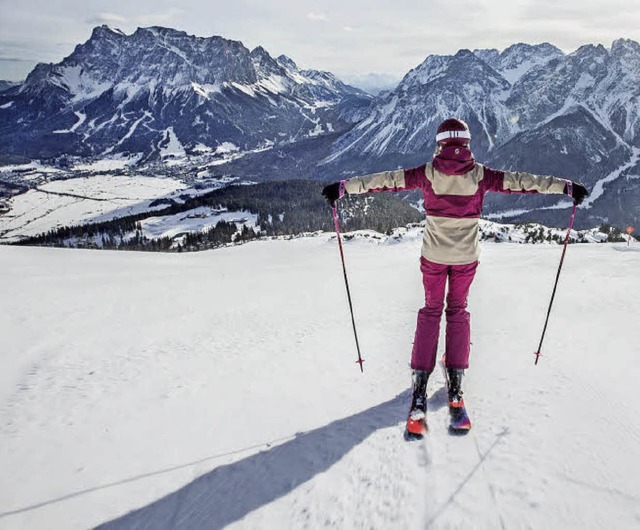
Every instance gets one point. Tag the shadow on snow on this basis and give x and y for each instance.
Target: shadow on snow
(230, 492)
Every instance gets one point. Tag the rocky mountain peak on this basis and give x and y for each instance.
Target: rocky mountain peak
(518, 59)
(264, 64)
(451, 70)
(287, 62)
(106, 32)
(627, 53)
(625, 46)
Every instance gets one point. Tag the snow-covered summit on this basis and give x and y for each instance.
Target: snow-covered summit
(104, 31)
(518, 59)
(287, 62)
(402, 121)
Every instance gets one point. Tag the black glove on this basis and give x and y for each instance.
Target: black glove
(578, 193)
(332, 193)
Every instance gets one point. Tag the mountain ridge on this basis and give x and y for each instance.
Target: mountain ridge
(132, 88)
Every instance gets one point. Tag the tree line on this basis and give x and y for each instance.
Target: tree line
(282, 209)
(286, 208)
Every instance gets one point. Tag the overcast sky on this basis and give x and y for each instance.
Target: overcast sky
(346, 37)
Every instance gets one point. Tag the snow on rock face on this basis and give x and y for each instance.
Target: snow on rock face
(500, 94)
(519, 59)
(127, 405)
(81, 119)
(208, 89)
(404, 121)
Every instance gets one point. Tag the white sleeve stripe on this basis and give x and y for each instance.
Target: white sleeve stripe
(452, 134)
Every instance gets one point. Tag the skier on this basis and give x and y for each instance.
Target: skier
(453, 186)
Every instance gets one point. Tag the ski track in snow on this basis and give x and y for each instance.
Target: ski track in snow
(598, 188)
(219, 389)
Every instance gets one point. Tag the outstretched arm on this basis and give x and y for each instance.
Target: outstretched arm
(396, 180)
(522, 182)
(384, 181)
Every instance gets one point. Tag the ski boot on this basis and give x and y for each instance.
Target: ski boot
(417, 420)
(459, 419)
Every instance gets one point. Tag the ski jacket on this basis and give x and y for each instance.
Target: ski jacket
(453, 186)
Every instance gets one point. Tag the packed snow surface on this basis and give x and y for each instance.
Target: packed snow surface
(219, 389)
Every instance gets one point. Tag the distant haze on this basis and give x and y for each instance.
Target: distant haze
(373, 83)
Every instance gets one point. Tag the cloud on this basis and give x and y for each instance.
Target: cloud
(15, 68)
(586, 11)
(106, 18)
(317, 16)
(158, 19)
(167, 18)
(16, 59)
(16, 51)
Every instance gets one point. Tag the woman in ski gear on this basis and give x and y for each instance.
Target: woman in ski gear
(453, 185)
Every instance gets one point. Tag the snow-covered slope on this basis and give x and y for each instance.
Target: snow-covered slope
(219, 389)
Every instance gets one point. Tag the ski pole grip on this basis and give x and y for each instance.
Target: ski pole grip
(570, 188)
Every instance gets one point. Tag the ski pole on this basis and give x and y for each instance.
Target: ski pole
(555, 285)
(346, 282)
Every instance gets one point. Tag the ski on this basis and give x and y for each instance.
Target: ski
(416, 427)
(459, 422)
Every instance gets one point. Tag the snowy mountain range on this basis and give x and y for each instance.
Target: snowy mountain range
(161, 95)
(531, 108)
(160, 91)
(524, 89)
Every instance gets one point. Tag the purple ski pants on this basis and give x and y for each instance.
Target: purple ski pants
(458, 339)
